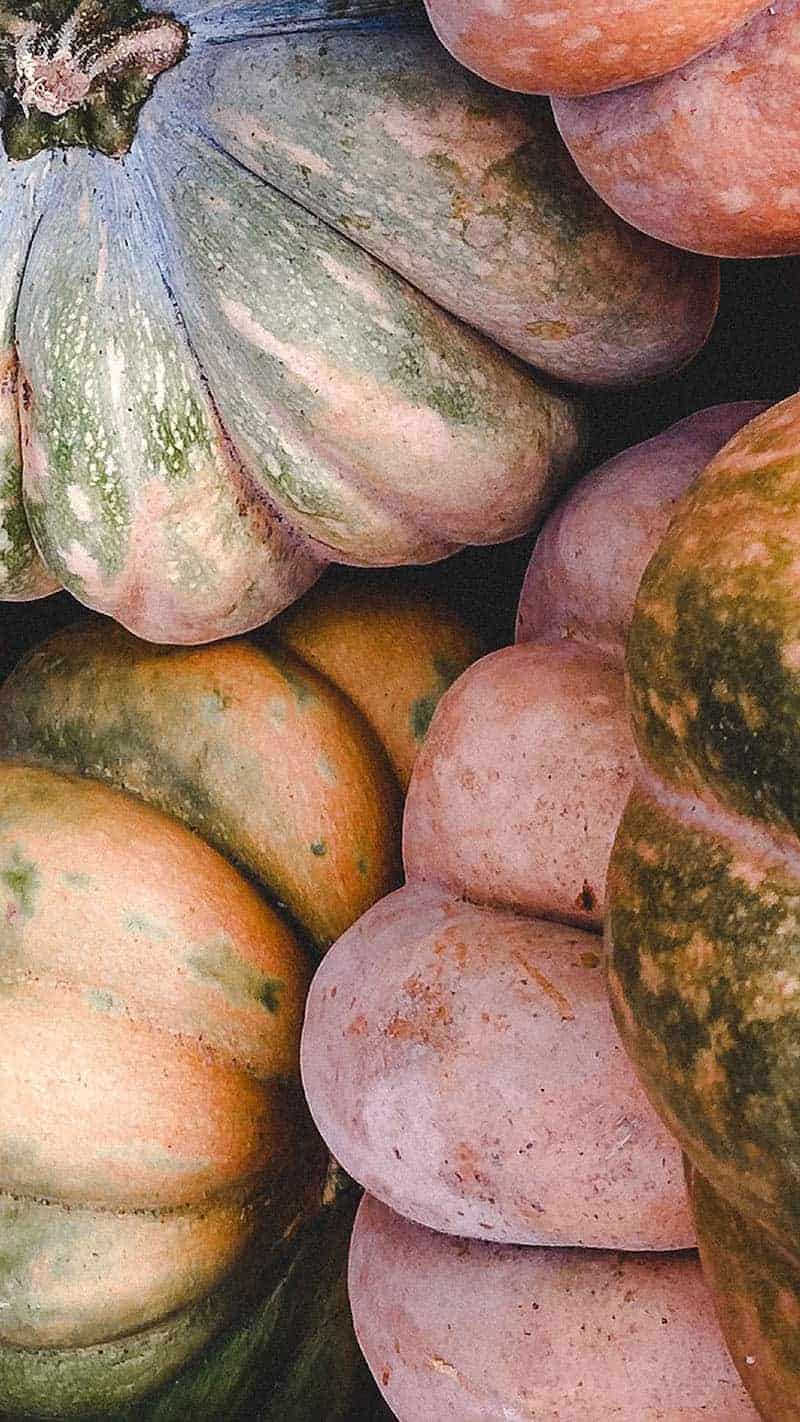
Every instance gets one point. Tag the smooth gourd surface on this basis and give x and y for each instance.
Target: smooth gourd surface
(579, 47)
(704, 157)
(467, 1329)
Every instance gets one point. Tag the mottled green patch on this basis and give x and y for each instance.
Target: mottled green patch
(718, 696)
(327, 769)
(139, 923)
(756, 1285)
(21, 572)
(78, 881)
(218, 963)
(446, 165)
(318, 847)
(213, 706)
(22, 878)
(362, 865)
(446, 671)
(292, 674)
(421, 715)
(102, 1001)
(276, 710)
(706, 958)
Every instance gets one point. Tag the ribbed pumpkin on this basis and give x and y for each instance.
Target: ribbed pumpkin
(704, 885)
(236, 340)
(153, 1139)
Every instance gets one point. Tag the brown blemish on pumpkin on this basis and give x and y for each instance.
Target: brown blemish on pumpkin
(358, 1026)
(587, 898)
(562, 1003)
(427, 1021)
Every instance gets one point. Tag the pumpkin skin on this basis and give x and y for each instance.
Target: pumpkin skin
(756, 1287)
(161, 983)
(577, 48)
(184, 1016)
(703, 882)
(245, 367)
(704, 157)
(481, 1332)
(589, 558)
(513, 805)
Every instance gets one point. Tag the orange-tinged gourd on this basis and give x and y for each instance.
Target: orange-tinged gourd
(153, 1137)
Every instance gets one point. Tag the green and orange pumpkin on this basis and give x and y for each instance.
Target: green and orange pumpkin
(175, 827)
(704, 882)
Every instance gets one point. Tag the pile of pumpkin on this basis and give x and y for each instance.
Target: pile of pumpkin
(300, 291)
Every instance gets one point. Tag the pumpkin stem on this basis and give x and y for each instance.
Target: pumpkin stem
(84, 80)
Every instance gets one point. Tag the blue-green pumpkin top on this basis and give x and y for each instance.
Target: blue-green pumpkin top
(257, 264)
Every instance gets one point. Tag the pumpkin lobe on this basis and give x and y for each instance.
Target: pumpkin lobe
(78, 75)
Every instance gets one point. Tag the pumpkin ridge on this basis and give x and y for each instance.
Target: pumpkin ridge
(236, 1192)
(213, 1050)
(384, 500)
(707, 814)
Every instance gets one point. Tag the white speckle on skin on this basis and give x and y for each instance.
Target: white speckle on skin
(116, 370)
(102, 261)
(79, 503)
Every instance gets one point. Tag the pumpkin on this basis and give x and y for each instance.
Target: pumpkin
(704, 157)
(579, 47)
(237, 313)
(155, 1145)
(429, 1015)
(756, 1287)
(459, 1058)
(461, 1328)
(703, 885)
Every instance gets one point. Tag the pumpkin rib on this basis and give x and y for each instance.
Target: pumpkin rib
(709, 814)
(214, 1050)
(404, 548)
(390, 499)
(254, 494)
(235, 1193)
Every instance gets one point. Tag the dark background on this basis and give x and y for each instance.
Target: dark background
(753, 354)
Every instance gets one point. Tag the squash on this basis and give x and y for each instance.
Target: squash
(588, 561)
(756, 1287)
(579, 47)
(459, 1328)
(704, 884)
(237, 340)
(704, 157)
(154, 1143)
(431, 1016)
(459, 1053)
(443, 1040)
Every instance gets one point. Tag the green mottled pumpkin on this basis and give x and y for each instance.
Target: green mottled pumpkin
(273, 313)
(174, 823)
(704, 882)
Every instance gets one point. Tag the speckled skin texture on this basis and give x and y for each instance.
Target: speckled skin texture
(588, 561)
(578, 46)
(153, 1138)
(756, 1288)
(466, 192)
(704, 882)
(704, 158)
(152, 1119)
(265, 340)
(460, 1060)
(464, 1067)
(464, 1331)
(532, 830)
